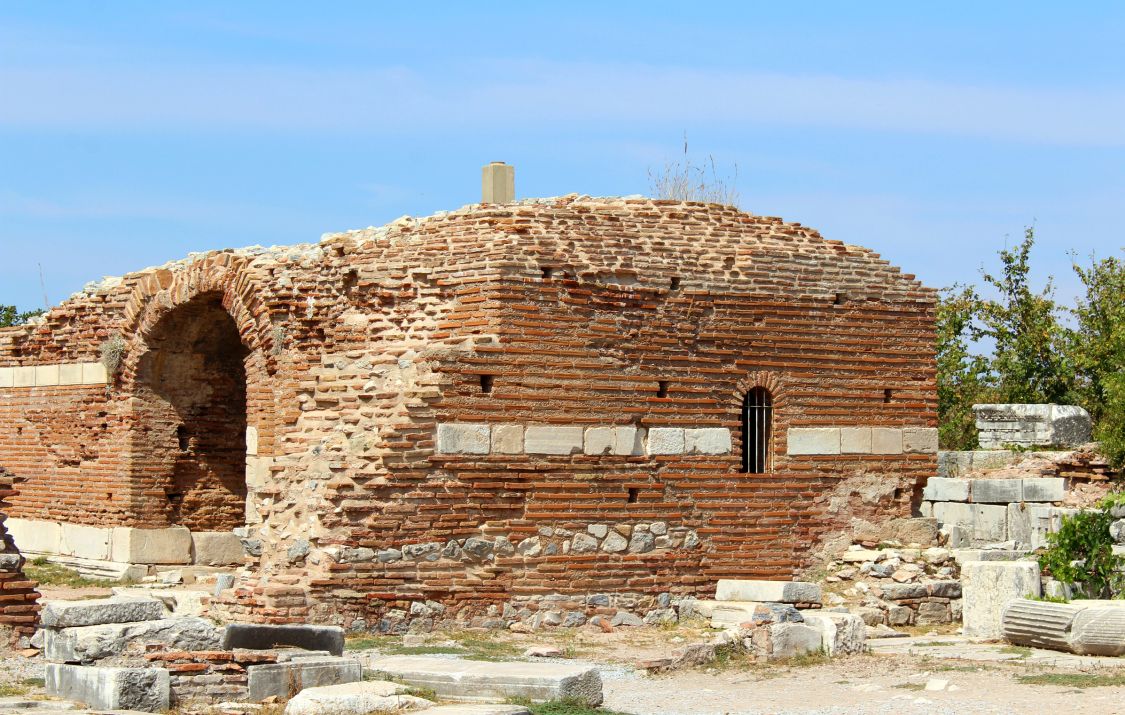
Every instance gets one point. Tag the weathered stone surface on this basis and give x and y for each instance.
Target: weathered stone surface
(507, 439)
(481, 680)
(665, 440)
(920, 440)
(733, 613)
(354, 698)
(813, 440)
(1019, 524)
(628, 440)
(284, 680)
(252, 636)
(150, 546)
(140, 689)
(841, 633)
(95, 612)
(85, 542)
(86, 644)
(552, 439)
(855, 440)
(1038, 624)
(614, 543)
(789, 640)
(886, 440)
(463, 439)
(995, 491)
(1044, 489)
(709, 440)
(599, 440)
(476, 709)
(990, 522)
(954, 513)
(1031, 425)
(216, 548)
(1099, 630)
(987, 588)
(776, 591)
(939, 489)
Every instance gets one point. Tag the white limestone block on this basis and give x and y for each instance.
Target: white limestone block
(70, 373)
(920, 440)
(7, 376)
(855, 440)
(454, 438)
(665, 440)
(507, 439)
(85, 542)
(987, 587)
(151, 546)
(944, 489)
(729, 589)
(33, 536)
(628, 440)
(552, 439)
(707, 440)
(94, 373)
(599, 440)
(813, 440)
(24, 376)
(46, 375)
(886, 440)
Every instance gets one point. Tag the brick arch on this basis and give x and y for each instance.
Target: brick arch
(219, 284)
(773, 381)
(163, 290)
(776, 385)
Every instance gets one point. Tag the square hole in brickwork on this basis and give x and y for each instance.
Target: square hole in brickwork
(486, 383)
(840, 299)
(888, 395)
(662, 388)
(548, 272)
(633, 494)
(675, 283)
(182, 438)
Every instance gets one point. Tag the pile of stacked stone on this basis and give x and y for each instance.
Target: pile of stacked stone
(899, 585)
(128, 653)
(975, 512)
(19, 609)
(776, 620)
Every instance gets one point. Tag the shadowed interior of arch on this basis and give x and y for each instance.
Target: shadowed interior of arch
(189, 430)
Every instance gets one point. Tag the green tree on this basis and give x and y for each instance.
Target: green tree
(10, 316)
(1098, 352)
(961, 375)
(1029, 360)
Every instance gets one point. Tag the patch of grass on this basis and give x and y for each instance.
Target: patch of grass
(485, 646)
(49, 574)
(1074, 680)
(946, 668)
(1016, 650)
(34, 682)
(424, 693)
(910, 686)
(935, 644)
(807, 660)
(562, 707)
(12, 690)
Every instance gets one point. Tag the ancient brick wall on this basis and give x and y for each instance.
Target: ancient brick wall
(573, 319)
(19, 610)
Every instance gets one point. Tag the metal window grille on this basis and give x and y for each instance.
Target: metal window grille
(757, 415)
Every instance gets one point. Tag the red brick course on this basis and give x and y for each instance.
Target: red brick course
(19, 607)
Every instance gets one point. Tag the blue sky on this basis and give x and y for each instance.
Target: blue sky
(132, 133)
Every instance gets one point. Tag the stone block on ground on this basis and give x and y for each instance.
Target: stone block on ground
(177, 601)
(775, 591)
(954, 513)
(95, 612)
(354, 698)
(1038, 624)
(217, 548)
(780, 641)
(482, 680)
(1003, 425)
(253, 636)
(841, 633)
(141, 689)
(734, 613)
(988, 587)
(284, 680)
(1099, 630)
(86, 644)
(151, 546)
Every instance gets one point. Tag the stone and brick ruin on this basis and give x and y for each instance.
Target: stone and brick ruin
(19, 608)
(455, 417)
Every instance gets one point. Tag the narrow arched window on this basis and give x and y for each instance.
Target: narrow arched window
(757, 417)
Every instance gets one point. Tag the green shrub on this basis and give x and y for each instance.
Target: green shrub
(1081, 553)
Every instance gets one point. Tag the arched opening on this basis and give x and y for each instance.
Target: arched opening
(190, 411)
(757, 425)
